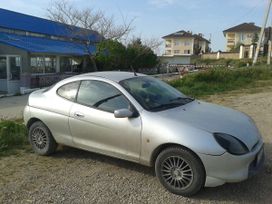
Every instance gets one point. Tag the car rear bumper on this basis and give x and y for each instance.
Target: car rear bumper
(228, 168)
(26, 114)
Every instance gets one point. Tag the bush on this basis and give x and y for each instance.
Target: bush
(220, 80)
(236, 63)
(12, 135)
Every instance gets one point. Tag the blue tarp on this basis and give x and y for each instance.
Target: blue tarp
(45, 45)
(23, 22)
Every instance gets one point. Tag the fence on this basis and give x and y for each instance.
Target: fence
(220, 55)
(44, 80)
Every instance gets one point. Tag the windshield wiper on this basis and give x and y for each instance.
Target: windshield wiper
(167, 105)
(183, 99)
(105, 100)
(179, 101)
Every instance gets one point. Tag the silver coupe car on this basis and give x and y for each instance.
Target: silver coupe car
(135, 117)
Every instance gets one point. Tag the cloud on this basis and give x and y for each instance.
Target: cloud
(248, 3)
(193, 4)
(184, 4)
(162, 3)
(31, 7)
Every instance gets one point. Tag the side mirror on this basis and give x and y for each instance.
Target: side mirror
(123, 113)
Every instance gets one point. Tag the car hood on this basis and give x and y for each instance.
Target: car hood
(214, 118)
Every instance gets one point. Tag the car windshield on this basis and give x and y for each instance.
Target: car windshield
(153, 94)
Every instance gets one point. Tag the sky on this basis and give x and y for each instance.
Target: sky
(157, 18)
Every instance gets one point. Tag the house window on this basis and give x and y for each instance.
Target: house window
(242, 37)
(176, 51)
(168, 52)
(176, 43)
(187, 51)
(3, 67)
(43, 64)
(68, 64)
(187, 43)
(36, 35)
(249, 35)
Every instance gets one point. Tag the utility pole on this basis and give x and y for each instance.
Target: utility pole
(262, 32)
(269, 52)
(269, 45)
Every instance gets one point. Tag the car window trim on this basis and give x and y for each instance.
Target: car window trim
(96, 108)
(145, 108)
(79, 82)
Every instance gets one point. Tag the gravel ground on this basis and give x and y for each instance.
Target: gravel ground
(75, 176)
(12, 107)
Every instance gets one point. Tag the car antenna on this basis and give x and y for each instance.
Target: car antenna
(132, 69)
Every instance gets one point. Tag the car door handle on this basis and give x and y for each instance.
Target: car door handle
(79, 115)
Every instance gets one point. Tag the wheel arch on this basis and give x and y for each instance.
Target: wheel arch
(31, 121)
(162, 147)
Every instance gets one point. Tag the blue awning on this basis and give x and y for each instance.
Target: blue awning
(22, 22)
(45, 45)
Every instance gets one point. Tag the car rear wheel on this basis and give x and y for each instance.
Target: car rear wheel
(41, 139)
(180, 171)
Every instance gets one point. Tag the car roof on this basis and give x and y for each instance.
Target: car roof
(116, 76)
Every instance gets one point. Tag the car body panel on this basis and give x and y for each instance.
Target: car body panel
(137, 139)
(215, 119)
(229, 168)
(101, 130)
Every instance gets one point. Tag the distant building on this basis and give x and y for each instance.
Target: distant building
(185, 43)
(245, 33)
(243, 38)
(181, 45)
(37, 52)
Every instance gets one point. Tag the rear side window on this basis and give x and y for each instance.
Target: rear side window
(102, 96)
(69, 91)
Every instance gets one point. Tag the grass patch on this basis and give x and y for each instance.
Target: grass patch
(13, 136)
(236, 63)
(216, 81)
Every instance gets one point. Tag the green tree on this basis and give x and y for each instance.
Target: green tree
(255, 38)
(236, 48)
(140, 56)
(111, 55)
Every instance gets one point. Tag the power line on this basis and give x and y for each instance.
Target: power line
(266, 16)
(253, 9)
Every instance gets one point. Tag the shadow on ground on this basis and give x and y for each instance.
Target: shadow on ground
(255, 189)
(72, 153)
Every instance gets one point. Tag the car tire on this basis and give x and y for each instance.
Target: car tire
(41, 139)
(180, 171)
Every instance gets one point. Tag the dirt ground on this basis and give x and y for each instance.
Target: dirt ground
(12, 107)
(75, 176)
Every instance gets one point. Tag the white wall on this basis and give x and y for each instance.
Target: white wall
(176, 60)
(14, 87)
(3, 85)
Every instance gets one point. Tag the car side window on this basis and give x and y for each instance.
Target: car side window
(69, 91)
(102, 96)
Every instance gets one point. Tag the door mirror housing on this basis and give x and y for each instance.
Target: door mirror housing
(123, 113)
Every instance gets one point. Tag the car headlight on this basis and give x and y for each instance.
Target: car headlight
(231, 144)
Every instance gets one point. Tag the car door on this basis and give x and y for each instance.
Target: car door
(94, 127)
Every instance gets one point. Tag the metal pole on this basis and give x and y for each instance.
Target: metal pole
(262, 32)
(269, 45)
(269, 52)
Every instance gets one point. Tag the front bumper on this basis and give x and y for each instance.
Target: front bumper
(228, 168)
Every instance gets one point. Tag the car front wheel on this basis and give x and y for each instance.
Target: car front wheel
(180, 171)
(41, 139)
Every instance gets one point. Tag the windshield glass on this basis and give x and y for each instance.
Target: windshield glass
(153, 94)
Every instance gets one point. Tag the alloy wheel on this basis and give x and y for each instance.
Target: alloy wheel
(177, 172)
